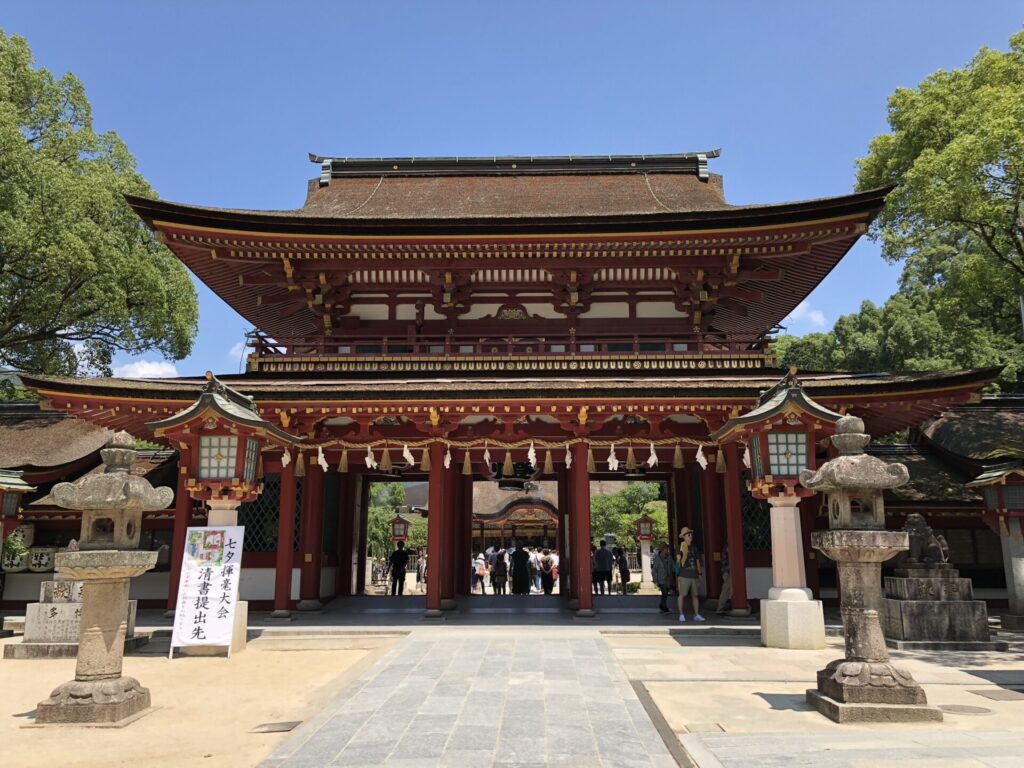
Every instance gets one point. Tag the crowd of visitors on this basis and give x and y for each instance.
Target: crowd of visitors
(526, 569)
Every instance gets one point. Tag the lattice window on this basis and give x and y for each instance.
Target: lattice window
(217, 456)
(1013, 495)
(787, 452)
(757, 520)
(10, 503)
(260, 517)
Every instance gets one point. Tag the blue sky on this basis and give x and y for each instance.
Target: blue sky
(220, 102)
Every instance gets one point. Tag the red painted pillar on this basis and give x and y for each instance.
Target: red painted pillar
(734, 528)
(451, 550)
(363, 520)
(285, 543)
(566, 583)
(312, 536)
(182, 518)
(711, 508)
(346, 510)
(435, 528)
(580, 480)
(684, 492)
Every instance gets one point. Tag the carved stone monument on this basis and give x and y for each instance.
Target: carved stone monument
(864, 686)
(105, 560)
(927, 605)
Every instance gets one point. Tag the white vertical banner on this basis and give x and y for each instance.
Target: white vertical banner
(208, 588)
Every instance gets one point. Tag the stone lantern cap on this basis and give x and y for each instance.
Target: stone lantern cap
(853, 468)
(116, 488)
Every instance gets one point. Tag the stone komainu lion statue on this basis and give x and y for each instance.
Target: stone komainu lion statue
(925, 547)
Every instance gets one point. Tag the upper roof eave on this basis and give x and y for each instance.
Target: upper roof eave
(292, 222)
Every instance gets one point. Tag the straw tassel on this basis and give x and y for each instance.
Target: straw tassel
(467, 464)
(343, 462)
(630, 459)
(300, 465)
(385, 461)
(549, 464)
(425, 461)
(591, 464)
(720, 462)
(507, 470)
(677, 458)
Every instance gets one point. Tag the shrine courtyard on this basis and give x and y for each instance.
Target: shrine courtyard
(514, 688)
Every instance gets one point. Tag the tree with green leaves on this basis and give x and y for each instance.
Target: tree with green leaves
(616, 513)
(81, 277)
(955, 222)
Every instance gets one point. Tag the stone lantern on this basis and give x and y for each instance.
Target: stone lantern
(645, 535)
(104, 560)
(864, 686)
(780, 434)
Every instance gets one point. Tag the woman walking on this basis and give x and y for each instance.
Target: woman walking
(499, 574)
(623, 565)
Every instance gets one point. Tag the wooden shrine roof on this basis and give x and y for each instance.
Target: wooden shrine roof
(933, 482)
(887, 402)
(988, 431)
(30, 437)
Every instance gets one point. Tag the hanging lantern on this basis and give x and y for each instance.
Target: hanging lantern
(644, 528)
(399, 528)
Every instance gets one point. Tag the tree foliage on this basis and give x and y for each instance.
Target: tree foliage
(616, 513)
(384, 499)
(954, 220)
(80, 275)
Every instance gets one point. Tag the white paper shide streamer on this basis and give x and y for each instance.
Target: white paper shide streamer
(652, 460)
(371, 463)
(448, 458)
(407, 455)
(701, 458)
(568, 457)
(613, 460)
(531, 456)
(746, 457)
(286, 458)
(321, 459)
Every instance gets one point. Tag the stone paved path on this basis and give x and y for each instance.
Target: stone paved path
(893, 749)
(479, 698)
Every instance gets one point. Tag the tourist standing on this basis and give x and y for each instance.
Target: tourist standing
(397, 563)
(664, 574)
(547, 568)
(535, 569)
(688, 571)
(623, 565)
(603, 562)
(421, 571)
(520, 571)
(479, 573)
(499, 574)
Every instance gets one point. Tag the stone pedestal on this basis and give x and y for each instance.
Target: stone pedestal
(790, 618)
(929, 607)
(865, 686)
(99, 693)
(52, 624)
(645, 562)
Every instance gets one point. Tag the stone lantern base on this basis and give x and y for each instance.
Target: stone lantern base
(93, 701)
(870, 692)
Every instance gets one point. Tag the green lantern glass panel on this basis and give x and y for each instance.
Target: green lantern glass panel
(252, 450)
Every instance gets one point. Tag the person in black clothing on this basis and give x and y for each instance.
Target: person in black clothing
(521, 571)
(397, 562)
(499, 574)
(547, 569)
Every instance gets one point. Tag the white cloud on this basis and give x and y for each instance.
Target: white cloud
(146, 369)
(239, 351)
(803, 314)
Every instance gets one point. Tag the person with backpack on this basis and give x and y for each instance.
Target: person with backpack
(480, 574)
